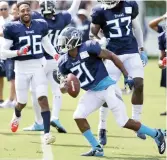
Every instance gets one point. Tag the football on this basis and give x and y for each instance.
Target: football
(73, 84)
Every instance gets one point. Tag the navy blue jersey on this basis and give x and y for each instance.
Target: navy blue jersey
(117, 26)
(55, 26)
(87, 67)
(27, 36)
(162, 41)
(36, 15)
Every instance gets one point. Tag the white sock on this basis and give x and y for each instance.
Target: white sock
(103, 118)
(36, 108)
(136, 112)
(57, 103)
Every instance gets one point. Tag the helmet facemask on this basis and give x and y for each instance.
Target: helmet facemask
(48, 7)
(68, 42)
(109, 4)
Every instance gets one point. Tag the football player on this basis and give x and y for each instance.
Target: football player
(27, 37)
(56, 22)
(154, 24)
(85, 61)
(117, 19)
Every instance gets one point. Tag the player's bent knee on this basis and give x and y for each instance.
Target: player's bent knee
(41, 91)
(78, 115)
(21, 99)
(138, 85)
(123, 122)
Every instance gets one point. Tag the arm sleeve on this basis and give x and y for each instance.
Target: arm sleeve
(74, 7)
(138, 32)
(93, 48)
(135, 9)
(5, 50)
(46, 43)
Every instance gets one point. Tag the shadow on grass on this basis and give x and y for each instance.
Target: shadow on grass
(134, 157)
(82, 146)
(111, 136)
(116, 156)
(20, 134)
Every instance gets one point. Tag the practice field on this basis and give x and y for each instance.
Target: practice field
(122, 144)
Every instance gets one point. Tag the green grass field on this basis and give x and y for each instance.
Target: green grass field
(122, 144)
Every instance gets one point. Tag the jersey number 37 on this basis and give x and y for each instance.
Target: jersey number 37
(117, 26)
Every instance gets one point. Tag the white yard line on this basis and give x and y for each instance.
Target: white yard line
(47, 150)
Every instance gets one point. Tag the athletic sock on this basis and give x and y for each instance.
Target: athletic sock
(148, 131)
(91, 139)
(136, 112)
(17, 112)
(57, 103)
(46, 121)
(103, 118)
(37, 109)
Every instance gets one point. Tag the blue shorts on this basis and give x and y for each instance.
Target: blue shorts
(9, 65)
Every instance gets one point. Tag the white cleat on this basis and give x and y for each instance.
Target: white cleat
(8, 104)
(49, 139)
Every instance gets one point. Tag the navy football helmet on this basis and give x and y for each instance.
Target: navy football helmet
(48, 7)
(69, 38)
(109, 4)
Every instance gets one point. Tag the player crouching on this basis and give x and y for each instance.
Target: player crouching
(85, 61)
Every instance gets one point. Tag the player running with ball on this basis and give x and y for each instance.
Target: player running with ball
(85, 61)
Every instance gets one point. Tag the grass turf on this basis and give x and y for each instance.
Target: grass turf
(122, 144)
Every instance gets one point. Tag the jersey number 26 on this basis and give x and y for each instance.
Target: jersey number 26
(34, 41)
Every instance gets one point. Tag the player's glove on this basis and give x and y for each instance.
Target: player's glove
(162, 63)
(144, 58)
(23, 50)
(56, 57)
(103, 43)
(2, 66)
(129, 81)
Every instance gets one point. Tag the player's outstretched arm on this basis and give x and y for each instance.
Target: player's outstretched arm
(49, 48)
(74, 7)
(154, 23)
(106, 54)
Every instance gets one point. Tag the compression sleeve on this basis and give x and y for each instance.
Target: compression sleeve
(74, 7)
(5, 50)
(46, 43)
(138, 32)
